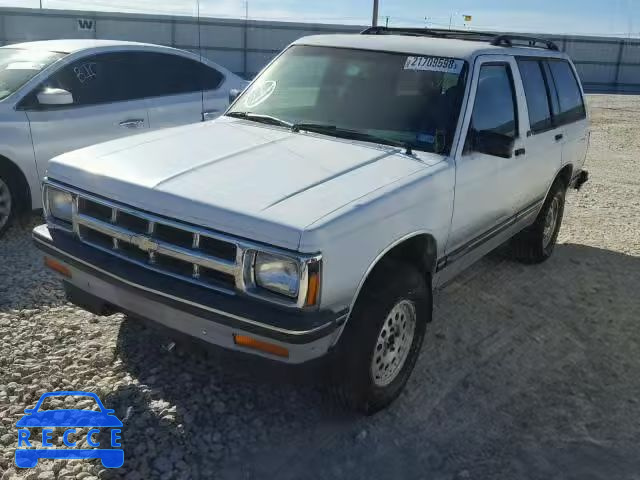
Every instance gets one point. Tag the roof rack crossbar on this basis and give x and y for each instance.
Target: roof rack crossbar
(497, 39)
(508, 41)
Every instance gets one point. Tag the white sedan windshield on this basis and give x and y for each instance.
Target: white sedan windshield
(18, 66)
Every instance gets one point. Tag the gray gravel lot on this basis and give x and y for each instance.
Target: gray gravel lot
(527, 372)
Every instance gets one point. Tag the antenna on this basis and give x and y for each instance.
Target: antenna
(201, 80)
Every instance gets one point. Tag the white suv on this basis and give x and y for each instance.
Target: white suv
(354, 175)
(60, 95)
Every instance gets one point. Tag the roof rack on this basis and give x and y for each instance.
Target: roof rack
(497, 39)
(507, 41)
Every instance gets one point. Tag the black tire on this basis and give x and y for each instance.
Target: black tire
(532, 245)
(354, 385)
(6, 195)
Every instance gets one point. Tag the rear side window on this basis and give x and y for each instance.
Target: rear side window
(570, 102)
(173, 74)
(536, 92)
(495, 106)
(211, 78)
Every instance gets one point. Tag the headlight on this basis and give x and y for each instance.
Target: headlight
(59, 204)
(277, 274)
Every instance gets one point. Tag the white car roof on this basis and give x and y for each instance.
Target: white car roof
(422, 45)
(76, 44)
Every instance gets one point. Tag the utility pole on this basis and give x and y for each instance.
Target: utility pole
(374, 20)
(40, 4)
(386, 23)
(245, 41)
(450, 21)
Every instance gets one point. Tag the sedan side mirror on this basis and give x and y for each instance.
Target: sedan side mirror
(492, 143)
(55, 96)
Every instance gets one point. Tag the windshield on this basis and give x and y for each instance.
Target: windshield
(396, 98)
(18, 66)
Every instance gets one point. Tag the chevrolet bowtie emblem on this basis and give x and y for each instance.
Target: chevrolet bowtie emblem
(145, 243)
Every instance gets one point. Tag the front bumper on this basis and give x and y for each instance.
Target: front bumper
(104, 284)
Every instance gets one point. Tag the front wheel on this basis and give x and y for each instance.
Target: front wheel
(535, 243)
(382, 339)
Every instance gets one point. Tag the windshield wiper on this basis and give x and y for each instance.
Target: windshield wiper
(350, 134)
(258, 117)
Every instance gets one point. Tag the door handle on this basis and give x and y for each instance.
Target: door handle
(559, 137)
(210, 115)
(520, 151)
(134, 123)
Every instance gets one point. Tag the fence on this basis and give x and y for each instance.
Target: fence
(605, 64)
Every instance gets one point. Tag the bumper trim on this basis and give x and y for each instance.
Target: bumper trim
(41, 236)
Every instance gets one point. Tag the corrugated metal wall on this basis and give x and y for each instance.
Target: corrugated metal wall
(605, 64)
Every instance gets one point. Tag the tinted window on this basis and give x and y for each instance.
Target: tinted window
(568, 91)
(109, 77)
(172, 74)
(536, 93)
(495, 107)
(211, 78)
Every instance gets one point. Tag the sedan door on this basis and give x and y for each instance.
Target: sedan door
(183, 90)
(107, 104)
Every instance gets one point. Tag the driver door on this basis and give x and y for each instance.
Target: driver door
(484, 187)
(108, 103)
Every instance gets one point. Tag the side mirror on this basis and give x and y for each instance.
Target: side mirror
(55, 96)
(233, 94)
(491, 143)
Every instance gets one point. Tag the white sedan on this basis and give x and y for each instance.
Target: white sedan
(61, 95)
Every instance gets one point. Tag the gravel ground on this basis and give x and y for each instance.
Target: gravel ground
(527, 372)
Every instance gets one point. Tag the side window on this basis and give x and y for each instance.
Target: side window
(495, 107)
(494, 121)
(168, 74)
(104, 78)
(211, 78)
(536, 92)
(571, 104)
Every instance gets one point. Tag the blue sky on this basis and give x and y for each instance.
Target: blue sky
(602, 17)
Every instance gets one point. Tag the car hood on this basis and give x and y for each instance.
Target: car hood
(256, 181)
(69, 418)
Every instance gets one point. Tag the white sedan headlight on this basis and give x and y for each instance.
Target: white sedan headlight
(277, 274)
(59, 204)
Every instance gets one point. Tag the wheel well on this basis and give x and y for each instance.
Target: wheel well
(419, 251)
(23, 193)
(565, 174)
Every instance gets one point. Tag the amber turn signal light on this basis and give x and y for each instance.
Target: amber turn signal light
(255, 344)
(57, 267)
(312, 289)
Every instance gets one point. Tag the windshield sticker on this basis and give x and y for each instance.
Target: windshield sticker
(259, 93)
(434, 64)
(24, 66)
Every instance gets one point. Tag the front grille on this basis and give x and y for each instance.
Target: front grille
(176, 249)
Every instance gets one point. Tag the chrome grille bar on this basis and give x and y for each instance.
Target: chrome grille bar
(146, 244)
(186, 259)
